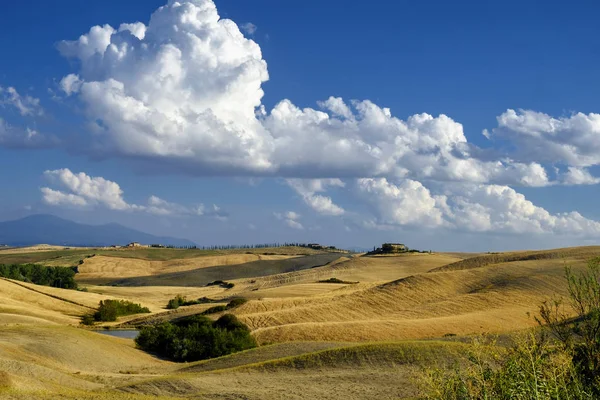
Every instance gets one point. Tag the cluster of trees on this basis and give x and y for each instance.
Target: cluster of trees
(232, 304)
(60, 277)
(196, 338)
(110, 310)
(180, 300)
(560, 360)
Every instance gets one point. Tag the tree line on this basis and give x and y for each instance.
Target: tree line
(60, 277)
(244, 246)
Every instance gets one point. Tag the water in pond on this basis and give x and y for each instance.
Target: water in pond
(123, 333)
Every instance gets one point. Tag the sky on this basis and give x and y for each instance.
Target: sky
(468, 126)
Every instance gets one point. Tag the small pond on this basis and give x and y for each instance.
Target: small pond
(122, 333)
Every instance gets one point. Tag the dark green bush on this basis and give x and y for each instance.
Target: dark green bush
(223, 284)
(88, 319)
(179, 301)
(110, 310)
(232, 304)
(215, 309)
(175, 302)
(196, 338)
(60, 277)
(237, 302)
(336, 280)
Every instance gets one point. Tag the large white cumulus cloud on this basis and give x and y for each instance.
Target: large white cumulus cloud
(187, 89)
(82, 190)
(467, 207)
(572, 140)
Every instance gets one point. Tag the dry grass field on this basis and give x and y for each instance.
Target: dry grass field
(360, 340)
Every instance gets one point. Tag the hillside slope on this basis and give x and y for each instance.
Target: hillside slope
(488, 298)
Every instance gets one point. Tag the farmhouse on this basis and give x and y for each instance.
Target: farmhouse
(134, 244)
(393, 248)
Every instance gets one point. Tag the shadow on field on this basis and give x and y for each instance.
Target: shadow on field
(203, 276)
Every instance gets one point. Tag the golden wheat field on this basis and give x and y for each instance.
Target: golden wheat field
(365, 335)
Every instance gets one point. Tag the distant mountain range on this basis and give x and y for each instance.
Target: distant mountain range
(48, 229)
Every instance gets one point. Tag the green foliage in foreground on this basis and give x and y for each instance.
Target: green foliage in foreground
(110, 310)
(60, 277)
(562, 361)
(196, 338)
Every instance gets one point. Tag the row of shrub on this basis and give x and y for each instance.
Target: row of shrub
(223, 284)
(179, 301)
(110, 310)
(560, 360)
(337, 280)
(232, 304)
(60, 277)
(196, 338)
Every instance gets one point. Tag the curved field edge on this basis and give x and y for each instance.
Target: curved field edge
(406, 358)
(260, 354)
(500, 258)
(67, 257)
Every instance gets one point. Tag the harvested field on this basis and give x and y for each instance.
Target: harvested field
(203, 276)
(339, 341)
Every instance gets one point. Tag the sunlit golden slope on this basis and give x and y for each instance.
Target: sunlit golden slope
(488, 298)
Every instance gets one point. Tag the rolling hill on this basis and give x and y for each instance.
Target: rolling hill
(48, 229)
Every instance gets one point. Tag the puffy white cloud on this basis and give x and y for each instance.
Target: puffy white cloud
(290, 218)
(505, 210)
(26, 105)
(56, 197)
(294, 224)
(578, 176)
(186, 89)
(292, 215)
(409, 203)
(81, 189)
(572, 140)
(467, 207)
(158, 206)
(137, 29)
(337, 107)
(70, 84)
(308, 188)
(248, 28)
(94, 190)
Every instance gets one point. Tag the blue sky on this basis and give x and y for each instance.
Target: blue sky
(241, 122)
